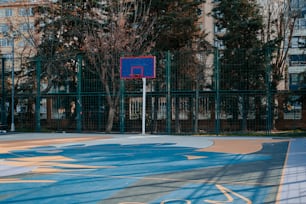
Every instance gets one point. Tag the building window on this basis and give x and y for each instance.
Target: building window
(6, 1)
(182, 105)
(6, 12)
(293, 81)
(3, 28)
(204, 109)
(162, 108)
(135, 108)
(297, 60)
(26, 27)
(300, 24)
(296, 4)
(293, 108)
(23, 42)
(4, 42)
(25, 12)
(298, 42)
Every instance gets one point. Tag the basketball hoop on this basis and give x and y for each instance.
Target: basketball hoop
(136, 76)
(137, 68)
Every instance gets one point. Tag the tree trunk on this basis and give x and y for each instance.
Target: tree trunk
(110, 119)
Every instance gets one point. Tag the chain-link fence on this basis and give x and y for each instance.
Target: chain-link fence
(193, 92)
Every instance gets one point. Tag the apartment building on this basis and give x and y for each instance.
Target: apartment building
(297, 51)
(17, 30)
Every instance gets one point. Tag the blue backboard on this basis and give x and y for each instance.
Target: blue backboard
(137, 67)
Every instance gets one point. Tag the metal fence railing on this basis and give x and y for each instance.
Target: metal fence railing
(195, 92)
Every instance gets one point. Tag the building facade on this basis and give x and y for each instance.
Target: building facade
(17, 37)
(297, 51)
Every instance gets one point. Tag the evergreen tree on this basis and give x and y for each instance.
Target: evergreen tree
(176, 25)
(242, 61)
(179, 32)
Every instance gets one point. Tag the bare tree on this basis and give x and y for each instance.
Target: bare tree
(105, 30)
(280, 20)
(20, 31)
(126, 27)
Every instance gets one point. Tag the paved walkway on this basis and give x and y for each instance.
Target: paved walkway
(151, 169)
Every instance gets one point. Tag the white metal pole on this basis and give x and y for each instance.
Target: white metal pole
(143, 106)
(13, 86)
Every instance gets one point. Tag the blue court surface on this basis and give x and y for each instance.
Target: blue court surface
(151, 169)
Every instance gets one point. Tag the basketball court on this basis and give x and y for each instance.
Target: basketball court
(150, 169)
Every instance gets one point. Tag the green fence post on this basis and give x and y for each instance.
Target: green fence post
(122, 112)
(38, 95)
(3, 109)
(79, 98)
(270, 115)
(196, 114)
(217, 90)
(100, 111)
(168, 77)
